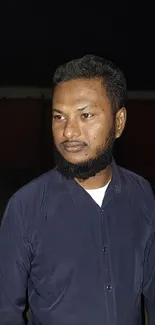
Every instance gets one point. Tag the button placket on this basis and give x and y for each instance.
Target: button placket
(108, 285)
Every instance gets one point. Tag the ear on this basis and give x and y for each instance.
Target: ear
(121, 117)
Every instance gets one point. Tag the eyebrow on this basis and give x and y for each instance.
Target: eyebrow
(79, 109)
(56, 110)
(84, 107)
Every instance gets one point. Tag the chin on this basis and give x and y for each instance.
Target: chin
(76, 159)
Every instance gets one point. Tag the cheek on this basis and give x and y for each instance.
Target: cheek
(97, 135)
(54, 132)
(57, 133)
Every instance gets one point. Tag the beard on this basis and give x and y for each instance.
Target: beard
(84, 170)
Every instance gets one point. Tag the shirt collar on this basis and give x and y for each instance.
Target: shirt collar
(114, 187)
(116, 178)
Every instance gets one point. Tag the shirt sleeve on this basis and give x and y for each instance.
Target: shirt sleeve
(14, 266)
(149, 276)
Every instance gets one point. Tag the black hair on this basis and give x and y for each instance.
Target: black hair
(94, 67)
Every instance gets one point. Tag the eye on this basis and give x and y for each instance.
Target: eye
(58, 117)
(86, 115)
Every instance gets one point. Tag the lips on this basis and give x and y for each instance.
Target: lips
(73, 146)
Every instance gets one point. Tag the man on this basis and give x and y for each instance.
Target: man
(81, 237)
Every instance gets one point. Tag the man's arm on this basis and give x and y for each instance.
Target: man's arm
(14, 266)
(149, 275)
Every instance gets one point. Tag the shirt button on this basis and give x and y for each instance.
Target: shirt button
(109, 287)
(105, 249)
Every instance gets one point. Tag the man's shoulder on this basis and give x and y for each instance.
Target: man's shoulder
(138, 187)
(51, 181)
(135, 180)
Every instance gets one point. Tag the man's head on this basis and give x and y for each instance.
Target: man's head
(89, 113)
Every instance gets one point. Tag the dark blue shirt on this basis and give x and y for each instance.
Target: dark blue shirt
(82, 264)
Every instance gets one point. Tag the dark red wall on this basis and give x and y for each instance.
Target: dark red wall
(20, 133)
(136, 148)
(23, 135)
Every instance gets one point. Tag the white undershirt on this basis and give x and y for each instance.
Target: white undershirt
(98, 194)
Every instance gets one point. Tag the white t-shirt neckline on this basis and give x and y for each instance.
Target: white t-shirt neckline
(98, 194)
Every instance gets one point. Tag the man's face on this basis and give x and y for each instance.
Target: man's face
(84, 126)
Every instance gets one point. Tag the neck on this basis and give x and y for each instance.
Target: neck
(99, 180)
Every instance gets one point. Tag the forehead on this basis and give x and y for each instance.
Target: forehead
(79, 91)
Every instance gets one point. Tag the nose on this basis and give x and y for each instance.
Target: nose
(71, 130)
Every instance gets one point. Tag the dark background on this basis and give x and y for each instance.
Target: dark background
(35, 37)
